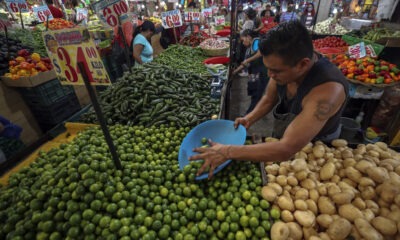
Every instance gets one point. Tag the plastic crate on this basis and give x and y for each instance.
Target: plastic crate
(57, 112)
(45, 94)
(353, 40)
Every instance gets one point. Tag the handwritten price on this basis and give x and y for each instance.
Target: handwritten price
(112, 12)
(173, 20)
(71, 70)
(192, 16)
(42, 15)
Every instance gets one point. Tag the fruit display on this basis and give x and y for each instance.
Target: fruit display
(330, 26)
(336, 192)
(31, 38)
(183, 58)
(75, 192)
(194, 39)
(155, 94)
(9, 52)
(55, 24)
(155, 20)
(368, 70)
(26, 65)
(329, 42)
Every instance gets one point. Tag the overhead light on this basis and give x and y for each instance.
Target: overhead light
(297, 6)
(143, 6)
(334, 11)
(156, 7)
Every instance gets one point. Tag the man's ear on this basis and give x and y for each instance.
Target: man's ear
(303, 64)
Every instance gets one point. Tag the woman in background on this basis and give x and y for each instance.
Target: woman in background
(142, 49)
(308, 17)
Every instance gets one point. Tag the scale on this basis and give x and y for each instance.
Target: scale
(217, 82)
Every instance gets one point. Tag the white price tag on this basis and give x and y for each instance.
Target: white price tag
(192, 15)
(81, 14)
(42, 12)
(171, 19)
(110, 10)
(14, 6)
(219, 20)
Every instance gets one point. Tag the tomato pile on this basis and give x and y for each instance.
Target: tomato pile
(329, 42)
(59, 23)
(75, 192)
(368, 70)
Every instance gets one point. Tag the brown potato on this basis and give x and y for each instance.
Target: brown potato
(322, 190)
(279, 231)
(272, 169)
(353, 174)
(327, 171)
(314, 195)
(324, 220)
(324, 236)
(339, 143)
(308, 184)
(368, 214)
(349, 162)
(301, 175)
(378, 174)
(373, 206)
(307, 148)
(365, 181)
(271, 178)
(368, 193)
(363, 165)
(281, 180)
(394, 215)
(347, 153)
(286, 203)
(287, 216)
(312, 206)
(336, 179)
(300, 204)
(268, 193)
(350, 212)
(359, 203)
(366, 230)
(339, 229)
(302, 194)
(296, 232)
(342, 198)
(283, 171)
(318, 151)
(350, 182)
(308, 232)
(300, 154)
(305, 218)
(292, 181)
(385, 226)
(326, 206)
(278, 189)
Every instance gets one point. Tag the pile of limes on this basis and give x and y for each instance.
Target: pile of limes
(75, 192)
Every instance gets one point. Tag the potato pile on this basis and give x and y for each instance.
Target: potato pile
(334, 193)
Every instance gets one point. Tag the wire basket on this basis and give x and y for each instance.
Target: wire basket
(216, 52)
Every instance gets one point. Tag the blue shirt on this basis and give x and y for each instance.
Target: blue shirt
(147, 53)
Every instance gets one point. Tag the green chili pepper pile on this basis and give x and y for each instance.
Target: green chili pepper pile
(184, 58)
(155, 94)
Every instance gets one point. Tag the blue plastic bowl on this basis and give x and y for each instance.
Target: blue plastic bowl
(220, 131)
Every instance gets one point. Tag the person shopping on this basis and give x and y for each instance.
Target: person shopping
(55, 11)
(142, 49)
(257, 73)
(306, 94)
(308, 16)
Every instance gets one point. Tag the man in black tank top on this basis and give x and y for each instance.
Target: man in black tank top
(306, 93)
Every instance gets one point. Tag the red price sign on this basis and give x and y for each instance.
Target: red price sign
(66, 48)
(171, 19)
(15, 6)
(219, 20)
(42, 12)
(112, 11)
(192, 16)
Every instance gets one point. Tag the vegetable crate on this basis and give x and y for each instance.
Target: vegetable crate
(48, 117)
(45, 94)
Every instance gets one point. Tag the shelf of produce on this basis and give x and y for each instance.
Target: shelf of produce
(72, 129)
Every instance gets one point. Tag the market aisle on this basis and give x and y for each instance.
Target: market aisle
(239, 104)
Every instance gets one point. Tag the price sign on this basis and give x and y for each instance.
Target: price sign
(42, 12)
(135, 19)
(110, 10)
(214, 9)
(192, 15)
(219, 20)
(14, 6)
(81, 14)
(207, 12)
(357, 50)
(66, 48)
(171, 19)
(4, 23)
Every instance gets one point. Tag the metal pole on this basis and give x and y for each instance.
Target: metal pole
(100, 116)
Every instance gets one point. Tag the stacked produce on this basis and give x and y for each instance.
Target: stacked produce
(378, 33)
(155, 20)
(213, 44)
(329, 42)
(9, 52)
(184, 58)
(368, 70)
(336, 192)
(55, 24)
(156, 94)
(330, 26)
(194, 39)
(267, 27)
(31, 38)
(26, 65)
(75, 192)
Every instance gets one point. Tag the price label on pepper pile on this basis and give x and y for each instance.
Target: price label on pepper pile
(66, 48)
(357, 50)
(14, 6)
(192, 15)
(110, 10)
(42, 12)
(81, 14)
(219, 20)
(171, 19)
(207, 12)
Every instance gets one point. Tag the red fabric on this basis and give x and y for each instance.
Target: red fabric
(265, 20)
(127, 29)
(56, 12)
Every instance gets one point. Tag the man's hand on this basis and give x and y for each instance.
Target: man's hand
(213, 156)
(242, 120)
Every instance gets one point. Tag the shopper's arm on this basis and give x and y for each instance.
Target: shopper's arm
(252, 58)
(137, 51)
(260, 27)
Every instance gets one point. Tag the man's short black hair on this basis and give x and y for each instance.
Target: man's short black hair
(289, 40)
(49, 2)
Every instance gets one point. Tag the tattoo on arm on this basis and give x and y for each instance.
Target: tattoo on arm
(323, 110)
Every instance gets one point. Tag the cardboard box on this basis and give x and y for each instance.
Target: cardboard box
(82, 94)
(40, 78)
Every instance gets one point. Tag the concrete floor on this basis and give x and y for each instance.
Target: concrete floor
(239, 102)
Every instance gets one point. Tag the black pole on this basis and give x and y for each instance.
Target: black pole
(7, 44)
(316, 16)
(47, 22)
(20, 18)
(100, 116)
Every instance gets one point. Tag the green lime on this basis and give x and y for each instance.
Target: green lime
(260, 232)
(240, 235)
(244, 221)
(75, 219)
(246, 195)
(220, 215)
(115, 225)
(104, 222)
(124, 231)
(275, 213)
